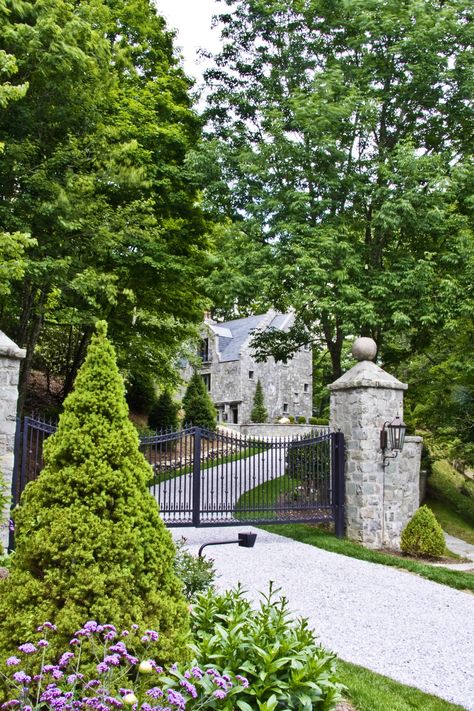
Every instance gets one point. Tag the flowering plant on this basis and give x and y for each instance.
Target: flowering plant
(120, 680)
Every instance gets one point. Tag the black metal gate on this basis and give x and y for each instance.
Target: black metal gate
(205, 478)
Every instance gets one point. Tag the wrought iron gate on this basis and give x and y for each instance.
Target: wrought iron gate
(206, 478)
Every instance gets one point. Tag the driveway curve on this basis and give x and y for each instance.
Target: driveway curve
(388, 620)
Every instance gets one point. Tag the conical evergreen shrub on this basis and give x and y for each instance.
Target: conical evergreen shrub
(90, 543)
(423, 536)
(164, 412)
(259, 412)
(198, 406)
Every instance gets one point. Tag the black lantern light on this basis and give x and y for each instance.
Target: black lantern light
(392, 437)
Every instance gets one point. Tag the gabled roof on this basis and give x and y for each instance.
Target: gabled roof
(231, 336)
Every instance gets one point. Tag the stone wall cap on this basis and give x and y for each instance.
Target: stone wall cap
(9, 348)
(366, 374)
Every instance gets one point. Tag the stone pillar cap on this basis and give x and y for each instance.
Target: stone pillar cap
(366, 374)
(364, 348)
(9, 348)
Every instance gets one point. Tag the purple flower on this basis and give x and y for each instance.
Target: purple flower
(43, 643)
(10, 704)
(65, 659)
(21, 677)
(91, 684)
(112, 659)
(134, 627)
(27, 648)
(190, 688)
(197, 672)
(46, 626)
(12, 661)
(219, 694)
(103, 667)
(125, 633)
(155, 692)
(176, 699)
(243, 680)
(57, 673)
(118, 647)
(74, 641)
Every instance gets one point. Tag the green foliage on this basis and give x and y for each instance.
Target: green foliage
(198, 406)
(197, 573)
(164, 412)
(140, 392)
(313, 421)
(291, 419)
(279, 655)
(301, 420)
(450, 487)
(423, 536)
(90, 543)
(259, 412)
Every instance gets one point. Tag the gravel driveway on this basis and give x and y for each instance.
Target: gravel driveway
(395, 623)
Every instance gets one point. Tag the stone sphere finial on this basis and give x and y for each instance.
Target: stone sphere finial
(364, 349)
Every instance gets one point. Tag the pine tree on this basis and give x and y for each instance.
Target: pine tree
(198, 406)
(164, 412)
(90, 543)
(259, 412)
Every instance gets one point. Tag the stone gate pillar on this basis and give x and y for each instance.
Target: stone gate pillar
(10, 356)
(379, 500)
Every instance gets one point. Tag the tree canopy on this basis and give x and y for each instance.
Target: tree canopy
(341, 136)
(95, 170)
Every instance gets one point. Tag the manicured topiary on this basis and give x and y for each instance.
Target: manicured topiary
(164, 413)
(423, 536)
(259, 412)
(198, 406)
(301, 420)
(90, 543)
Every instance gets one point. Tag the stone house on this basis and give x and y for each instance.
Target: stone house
(231, 373)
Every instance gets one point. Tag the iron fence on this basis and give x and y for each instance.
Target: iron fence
(204, 478)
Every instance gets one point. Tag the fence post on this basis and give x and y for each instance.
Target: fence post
(338, 482)
(197, 476)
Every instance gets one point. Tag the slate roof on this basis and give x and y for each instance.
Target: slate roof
(240, 330)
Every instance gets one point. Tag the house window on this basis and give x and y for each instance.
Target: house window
(203, 350)
(285, 407)
(250, 374)
(207, 379)
(306, 388)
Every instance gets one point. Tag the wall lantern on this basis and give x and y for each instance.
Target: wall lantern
(392, 438)
(245, 540)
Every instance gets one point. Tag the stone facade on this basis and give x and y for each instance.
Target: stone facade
(231, 371)
(10, 356)
(379, 500)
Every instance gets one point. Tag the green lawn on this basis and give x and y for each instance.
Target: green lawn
(454, 491)
(450, 521)
(368, 691)
(308, 533)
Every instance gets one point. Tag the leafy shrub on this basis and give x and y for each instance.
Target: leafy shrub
(444, 484)
(259, 412)
(313, 420)
(423, 536)
(197, 574)
(118, 678)
(140, 392)
(164, 413)
(301, 420)
(323, 421)
(198, 406)
(90, 542)
(279, 655)
(291, 419)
